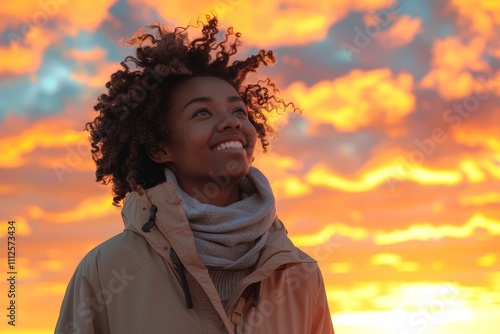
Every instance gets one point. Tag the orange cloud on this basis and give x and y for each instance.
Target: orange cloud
(74, 14)
(428, 231)
(480, 199)
(472, 170)
(85, 15)
(385, 259)
(65, 160)
(492, 166)
(481, 166)
(52, 290)
(394, 260)
(402, 32)
(341, 267)
(482, 16)
(390, 174)
(265, 23)
(35, 19)
(24, 55)
(373, 97)
(96, 57)
(88, 209)
(16, 11)
(323, 236)
(51, 265)
(49, 133)
(291, 187)
(487, 260)
(18, 223)
(452, 61)
(352, 298)
(283, 172)
(321, 175)
(485, 135)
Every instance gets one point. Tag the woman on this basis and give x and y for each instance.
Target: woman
(202, 250)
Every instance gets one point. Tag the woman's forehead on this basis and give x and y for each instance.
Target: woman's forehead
(204, 89)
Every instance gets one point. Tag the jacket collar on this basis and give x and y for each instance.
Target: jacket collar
(172, 230)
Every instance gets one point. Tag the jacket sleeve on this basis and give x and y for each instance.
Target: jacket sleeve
(83, 310)
(322, 320)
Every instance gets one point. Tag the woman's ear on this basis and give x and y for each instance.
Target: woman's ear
(159, 153)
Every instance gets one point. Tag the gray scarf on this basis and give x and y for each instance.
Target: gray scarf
(231, 237)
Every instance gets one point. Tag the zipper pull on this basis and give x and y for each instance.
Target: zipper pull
(237, 314)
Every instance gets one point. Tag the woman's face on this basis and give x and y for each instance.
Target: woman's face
(210, 138)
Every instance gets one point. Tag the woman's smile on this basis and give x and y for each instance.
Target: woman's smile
(230, 144)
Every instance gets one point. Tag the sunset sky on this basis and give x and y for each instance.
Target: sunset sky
(390, 177)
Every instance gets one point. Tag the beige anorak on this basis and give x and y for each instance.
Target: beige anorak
(132, 283)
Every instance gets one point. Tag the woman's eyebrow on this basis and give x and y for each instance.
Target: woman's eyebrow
(198, 99)
(234, 98)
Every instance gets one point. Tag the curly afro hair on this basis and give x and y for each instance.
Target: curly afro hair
(132, 114)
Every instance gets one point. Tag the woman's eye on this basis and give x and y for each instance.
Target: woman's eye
(202, 112)
(240, 111)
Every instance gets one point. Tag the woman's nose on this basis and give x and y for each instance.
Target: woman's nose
(229, 121)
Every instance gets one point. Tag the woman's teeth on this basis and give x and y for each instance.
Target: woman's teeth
(229, 144)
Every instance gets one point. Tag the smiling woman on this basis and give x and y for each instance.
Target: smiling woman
(203, 250)
(142, 102)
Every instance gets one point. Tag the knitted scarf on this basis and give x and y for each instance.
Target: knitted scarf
(231, 237)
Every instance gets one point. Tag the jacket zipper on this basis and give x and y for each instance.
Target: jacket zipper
(180, 270)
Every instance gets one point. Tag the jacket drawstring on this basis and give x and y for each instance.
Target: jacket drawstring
(256, 293)
(180, 269)
(152, 219)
